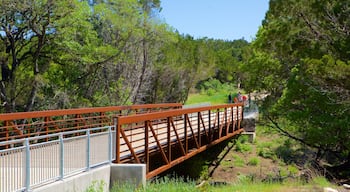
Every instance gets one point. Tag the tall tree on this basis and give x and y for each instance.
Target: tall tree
(301, 58)
(27, 29)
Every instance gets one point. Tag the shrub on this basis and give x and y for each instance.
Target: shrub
(243, 139)
(254, 161)
(293, 170)
(238, 161)
(242, 144)
(211, 92)
(265, 153)
(243, 147)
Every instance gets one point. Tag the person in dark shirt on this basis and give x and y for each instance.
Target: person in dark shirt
(230, 98)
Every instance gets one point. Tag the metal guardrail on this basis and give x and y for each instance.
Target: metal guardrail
(37, 148)
(35, 161)
(175, 135)
(35, 123)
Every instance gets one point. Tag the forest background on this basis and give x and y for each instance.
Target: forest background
(57, 54)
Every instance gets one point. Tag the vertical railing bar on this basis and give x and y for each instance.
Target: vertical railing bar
(199, 128)
(117, 139)
(61, 156)
(185, 133)
(233, 126)
(88, 150)
(237, 118)
(209, 130)
(218, 118)
(226, 123)
(146, 146)
(27, 165)
(169, 138)
(110, 144)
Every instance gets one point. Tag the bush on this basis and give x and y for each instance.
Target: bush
(211, 92)
(238, 161)
(293, 170)
(254, 161)
(266, 153)
(241, 147)
(243, 139)
(242, 144)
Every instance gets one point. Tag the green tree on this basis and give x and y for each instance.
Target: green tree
(300, 57)
(27, 31)
(230, 55)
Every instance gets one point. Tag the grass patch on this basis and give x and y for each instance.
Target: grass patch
(242, 144)
(243, 147)
(262, 187)
(162, 184)
(213, 93)
(96, 186)
(249, 184)
(254, 161)
(245, 183)
(238, 161)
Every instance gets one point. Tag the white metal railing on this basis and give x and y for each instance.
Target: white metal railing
(36, 161)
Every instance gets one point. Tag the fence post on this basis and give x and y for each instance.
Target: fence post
(27, 165)
(88, 150)
(209, 131)
(117, 139)
(61, 156)
(110, 144)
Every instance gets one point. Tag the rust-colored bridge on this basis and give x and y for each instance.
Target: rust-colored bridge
(159, 135)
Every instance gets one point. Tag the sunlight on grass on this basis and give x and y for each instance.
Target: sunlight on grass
(214, 98)
(261, 187)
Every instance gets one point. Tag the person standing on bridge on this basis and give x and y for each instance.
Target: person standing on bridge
(239, 97)
(229, 98)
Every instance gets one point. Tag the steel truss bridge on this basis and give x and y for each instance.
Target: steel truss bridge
(158, 135)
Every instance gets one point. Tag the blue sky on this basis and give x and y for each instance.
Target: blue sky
(218, 19)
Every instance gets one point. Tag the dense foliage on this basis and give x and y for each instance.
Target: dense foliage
(76, 53)
(58, 54)
(301, 58)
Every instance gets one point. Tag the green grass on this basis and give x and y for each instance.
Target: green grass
(204, 98)
(262, 187)
(159, 185)
(245, 184)
(254, 161)
(214, 97)
(243, 147)
(238, 161)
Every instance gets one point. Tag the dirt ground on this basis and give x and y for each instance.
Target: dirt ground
(234, 165)
(225, 170)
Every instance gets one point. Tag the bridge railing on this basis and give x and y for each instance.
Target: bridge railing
(176, 135)
(36, 123)
(30, 163)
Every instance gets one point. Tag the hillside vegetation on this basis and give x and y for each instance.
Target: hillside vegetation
(62, 54)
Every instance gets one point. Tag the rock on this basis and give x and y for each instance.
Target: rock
(346, 186)
(328, 189)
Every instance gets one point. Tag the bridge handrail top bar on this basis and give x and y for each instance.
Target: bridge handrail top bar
(171, 113)
(60, 112)
(56, 135)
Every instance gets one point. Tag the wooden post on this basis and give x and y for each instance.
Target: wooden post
(117, 139)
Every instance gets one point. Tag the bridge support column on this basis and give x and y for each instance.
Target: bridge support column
(133, 174)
